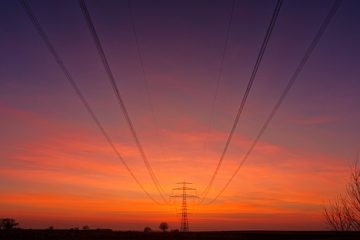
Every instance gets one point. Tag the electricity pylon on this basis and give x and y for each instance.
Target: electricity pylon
(184, 226)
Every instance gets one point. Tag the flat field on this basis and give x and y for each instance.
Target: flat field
(24, 234)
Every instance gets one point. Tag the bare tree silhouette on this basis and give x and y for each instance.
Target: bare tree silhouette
(164, 226)
(343, 214)
(8, 223)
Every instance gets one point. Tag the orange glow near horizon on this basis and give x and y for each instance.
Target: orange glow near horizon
(65, 179)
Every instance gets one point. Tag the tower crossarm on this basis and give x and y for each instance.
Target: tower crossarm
(184, 188)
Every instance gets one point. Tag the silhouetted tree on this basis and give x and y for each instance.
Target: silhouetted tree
(147, 229)
(85, 227)
(343, 214)
(8, 223)
(338, 214)
(164, 226)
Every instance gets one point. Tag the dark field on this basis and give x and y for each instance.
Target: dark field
(108, 234)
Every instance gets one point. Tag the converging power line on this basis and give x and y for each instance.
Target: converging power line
(78, 92)
(245, 96)
(121, 102)
(324, 25)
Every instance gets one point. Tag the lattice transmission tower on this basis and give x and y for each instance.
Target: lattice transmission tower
(184, 225)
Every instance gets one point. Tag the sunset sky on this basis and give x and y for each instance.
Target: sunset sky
(57, 169)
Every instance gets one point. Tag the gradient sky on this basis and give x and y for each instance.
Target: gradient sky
(57, 169)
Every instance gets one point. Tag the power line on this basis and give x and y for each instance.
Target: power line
(220, 73)
(117, 94)
(77, 90)
(246, 94)
(142, 67)
(290, 83)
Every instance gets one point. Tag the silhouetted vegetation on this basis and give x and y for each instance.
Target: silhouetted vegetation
(8, 223)
(147, 229)
(343, 213)
(164, 226)
(24, 234)
(108, 234)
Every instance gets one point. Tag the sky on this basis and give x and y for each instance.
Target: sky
(56, 169)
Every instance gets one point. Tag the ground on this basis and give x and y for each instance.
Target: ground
(109, 235)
